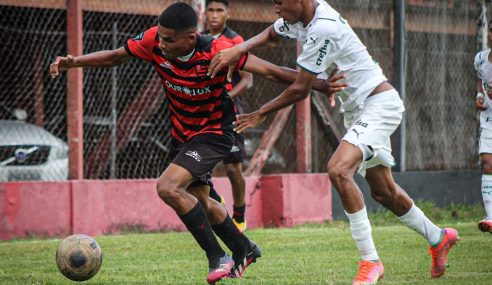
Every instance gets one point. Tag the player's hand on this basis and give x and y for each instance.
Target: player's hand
(246, 121)
(480, 104)
(61, 63)
(334, 85)
(227, 57)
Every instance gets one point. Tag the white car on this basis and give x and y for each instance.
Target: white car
(28, 152)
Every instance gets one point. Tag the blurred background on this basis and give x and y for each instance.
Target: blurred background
(126, 127)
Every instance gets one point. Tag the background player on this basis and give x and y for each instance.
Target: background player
(216, 15)
(483, 66)
(372, 112)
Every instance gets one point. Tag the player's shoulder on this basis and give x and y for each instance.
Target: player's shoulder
(204, 43)
(230, 34)
(221, 43)
(327, 21)
(482, 54)
(150, 33)
(282, 26)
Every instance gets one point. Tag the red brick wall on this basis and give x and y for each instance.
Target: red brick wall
(97, 207)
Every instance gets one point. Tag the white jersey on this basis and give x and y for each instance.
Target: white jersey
(328, 39)
(484, 70)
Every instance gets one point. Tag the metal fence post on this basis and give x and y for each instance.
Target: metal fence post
(398, 139)
(75, 108)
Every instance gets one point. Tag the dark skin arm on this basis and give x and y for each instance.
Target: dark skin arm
(231, 56)
(297, 91)
(287, 75)
(105, 58)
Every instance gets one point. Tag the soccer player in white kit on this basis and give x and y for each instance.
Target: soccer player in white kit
(372, 111)
(483, 66)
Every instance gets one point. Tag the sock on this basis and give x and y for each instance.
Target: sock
(231, 236)
(487, 194)
(214, 195)
(361, 233)
(197, 223)
(239, 213)
(416, 220)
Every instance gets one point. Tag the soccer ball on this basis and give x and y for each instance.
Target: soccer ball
(79, 257)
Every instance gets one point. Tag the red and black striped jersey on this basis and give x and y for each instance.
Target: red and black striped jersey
(234, 38)
(197, 103)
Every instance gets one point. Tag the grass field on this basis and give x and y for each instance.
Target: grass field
(312, 254)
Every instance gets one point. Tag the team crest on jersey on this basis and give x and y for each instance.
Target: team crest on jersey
(139, 37)
(166, 64)
(201, 70)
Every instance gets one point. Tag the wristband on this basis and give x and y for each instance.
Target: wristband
(480, 95)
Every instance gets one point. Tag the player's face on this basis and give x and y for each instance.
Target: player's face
(216, 15)
(289, 10)
(174, 44)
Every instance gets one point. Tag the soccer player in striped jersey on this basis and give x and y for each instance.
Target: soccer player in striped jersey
(202, 116)
(372, 112)
(216, 15)
(483, 101)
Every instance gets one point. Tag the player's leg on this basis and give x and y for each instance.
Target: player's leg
(393, 197)
(368, 132)
(171, 187)
(207, 151)
(214, 195)
(238, 184)
(244, 251)
(341, 169)
(197, 157)
(485, 151)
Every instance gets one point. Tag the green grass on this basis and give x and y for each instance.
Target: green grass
(312, 254)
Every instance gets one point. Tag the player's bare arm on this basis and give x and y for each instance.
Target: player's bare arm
(231, 56)
(105, 58)
(287, 75)
(296, 92)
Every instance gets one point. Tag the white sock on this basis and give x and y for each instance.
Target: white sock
(361, 233)
(487, 194)
(416, 220)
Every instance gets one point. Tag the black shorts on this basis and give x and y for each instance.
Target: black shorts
(237, 153)
(201, 153)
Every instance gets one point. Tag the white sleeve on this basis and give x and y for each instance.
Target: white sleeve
(284, 29)
(477, 61)
(319, 51)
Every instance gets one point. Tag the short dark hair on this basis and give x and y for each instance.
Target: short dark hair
(179, 17)
(225, 2)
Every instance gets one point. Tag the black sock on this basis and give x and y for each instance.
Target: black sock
(214, 195)
(197, 223)
(231, 236)
(239, 213)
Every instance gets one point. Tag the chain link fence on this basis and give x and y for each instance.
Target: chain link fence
(126, 124)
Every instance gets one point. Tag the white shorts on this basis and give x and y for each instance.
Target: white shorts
(372, 125)
(485, 143)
